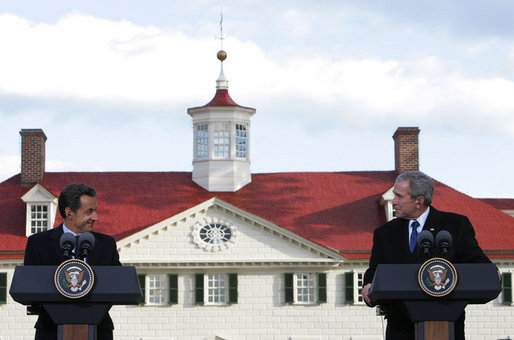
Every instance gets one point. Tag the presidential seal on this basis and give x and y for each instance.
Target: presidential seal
(437, 277)
(74, 278)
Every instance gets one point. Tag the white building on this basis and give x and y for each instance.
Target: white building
(225, 254)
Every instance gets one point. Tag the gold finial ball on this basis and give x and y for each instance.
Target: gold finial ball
(222, 55)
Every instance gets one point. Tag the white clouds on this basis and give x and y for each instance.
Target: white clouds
(84, 57)
(10, 166)
(107, 75)
(425, 91)
(489, 102)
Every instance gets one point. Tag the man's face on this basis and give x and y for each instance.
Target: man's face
(405, 205)
(85, 217)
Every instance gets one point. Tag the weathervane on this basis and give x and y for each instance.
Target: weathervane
(221, 37)
(222, 55)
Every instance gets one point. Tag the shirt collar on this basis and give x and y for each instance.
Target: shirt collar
(66, 230)
(421, 219)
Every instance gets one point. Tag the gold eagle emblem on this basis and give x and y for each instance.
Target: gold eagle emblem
(438, 277)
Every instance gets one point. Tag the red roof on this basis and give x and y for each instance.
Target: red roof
(500, 203)
(222, 98)
(338, 210)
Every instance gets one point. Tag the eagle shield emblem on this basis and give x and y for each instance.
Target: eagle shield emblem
(437, 277)
(74, 278)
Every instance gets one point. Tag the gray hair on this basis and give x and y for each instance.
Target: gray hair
(419, 185)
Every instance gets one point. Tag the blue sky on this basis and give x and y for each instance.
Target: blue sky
(110, 83)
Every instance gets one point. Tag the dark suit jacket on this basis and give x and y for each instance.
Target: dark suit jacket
(391, 245)
(391, 241)
(43, 250)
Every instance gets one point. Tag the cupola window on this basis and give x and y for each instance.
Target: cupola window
(202, 141)
(241, 141)
(221, 140)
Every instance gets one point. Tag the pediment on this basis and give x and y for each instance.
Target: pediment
(216, 233)
(386, 200)
(388, 195)
(38, 193)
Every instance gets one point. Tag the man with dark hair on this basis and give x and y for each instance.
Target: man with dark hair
(413, 192)
(70, 197)
(78, 208)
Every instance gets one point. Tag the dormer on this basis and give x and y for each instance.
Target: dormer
(387, 202)
(41, 210)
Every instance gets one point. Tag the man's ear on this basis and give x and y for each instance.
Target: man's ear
(67, 212)
(420, 200)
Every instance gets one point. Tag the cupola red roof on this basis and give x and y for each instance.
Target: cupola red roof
(222, 98)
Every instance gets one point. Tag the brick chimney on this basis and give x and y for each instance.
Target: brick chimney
(406, 155)
(32, 156)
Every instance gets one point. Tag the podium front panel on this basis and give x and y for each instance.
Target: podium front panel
(476, 283)
(115, 285)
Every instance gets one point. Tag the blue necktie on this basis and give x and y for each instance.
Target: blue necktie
(76, 249)
(413, 236)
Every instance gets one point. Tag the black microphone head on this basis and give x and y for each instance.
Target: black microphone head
(88, 238)
(443, 236)
(67, 239)
(425, 236)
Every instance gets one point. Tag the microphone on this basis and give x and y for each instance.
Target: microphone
(67, 243)
(443, 240)
(85, 244)
(425, 241)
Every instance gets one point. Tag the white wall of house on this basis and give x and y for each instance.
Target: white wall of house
(262, 314)
(259, 314)
(14, 321)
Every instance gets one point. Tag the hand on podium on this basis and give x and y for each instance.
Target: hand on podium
(365, 294)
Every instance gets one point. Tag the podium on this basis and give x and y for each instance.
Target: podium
(434, 317)
(76, 318)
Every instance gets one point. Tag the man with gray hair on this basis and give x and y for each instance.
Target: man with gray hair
(395, 243)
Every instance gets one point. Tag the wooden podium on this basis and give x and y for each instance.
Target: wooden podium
(76, 318)
(434, 317)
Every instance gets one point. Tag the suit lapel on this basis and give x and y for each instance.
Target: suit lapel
(404, 241)
(93, 257)
(433, 222)
(55, 238)
(405, 234)
(413, 257)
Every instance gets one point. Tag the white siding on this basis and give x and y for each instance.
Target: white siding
(259, 314)
(173, 242)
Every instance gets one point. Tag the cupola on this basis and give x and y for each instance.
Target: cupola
(221, 151)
